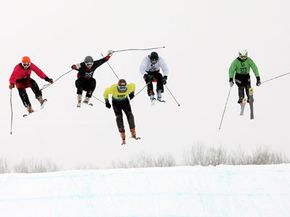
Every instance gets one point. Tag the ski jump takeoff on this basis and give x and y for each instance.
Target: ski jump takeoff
(240, 72)
(21, 78)
(120, 101)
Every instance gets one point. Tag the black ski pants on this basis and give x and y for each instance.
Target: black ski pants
(157, 77)
(244, 84)
(22, 84)
(87, 85)
(119, 106)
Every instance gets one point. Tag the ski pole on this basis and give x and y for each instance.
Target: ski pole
(137, 49)
(99, 100)
(141, 90)
(172, 95)
(276, 77)
(11, 112)
(225, 108)
(111, 68)
(47, 85)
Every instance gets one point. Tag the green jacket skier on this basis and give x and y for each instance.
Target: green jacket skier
(240, 71)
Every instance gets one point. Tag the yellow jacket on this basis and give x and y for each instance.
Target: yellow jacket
(116, 94)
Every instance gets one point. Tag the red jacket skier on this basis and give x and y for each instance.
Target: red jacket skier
(21, 78)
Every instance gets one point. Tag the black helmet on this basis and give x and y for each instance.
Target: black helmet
(154, 56)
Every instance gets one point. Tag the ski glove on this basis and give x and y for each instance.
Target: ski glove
(48, 79)
(131, 95)
(148, 78)
(11, 86)
(231, 82)
(258, 83)
(74, 67)
(164, 79)
(108, 105)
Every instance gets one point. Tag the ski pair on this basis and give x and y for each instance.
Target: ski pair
(42, 106)
(153, 101)
(136, 138)
(251, 103)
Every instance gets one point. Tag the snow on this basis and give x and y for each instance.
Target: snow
(222, 191)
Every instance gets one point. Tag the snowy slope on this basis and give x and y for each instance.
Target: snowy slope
(223, 191)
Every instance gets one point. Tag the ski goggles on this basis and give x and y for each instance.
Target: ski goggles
(26, 65)
(243, 57)
(89, 63)
(122, 88)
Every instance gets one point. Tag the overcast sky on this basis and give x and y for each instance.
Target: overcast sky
(202, 38)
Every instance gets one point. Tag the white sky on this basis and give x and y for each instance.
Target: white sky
(202, 38)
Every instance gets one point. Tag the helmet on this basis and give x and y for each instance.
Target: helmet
(122, 82)
(89, 59)
(243, 53)
(154, 56)
(26, 59)
(122, 85)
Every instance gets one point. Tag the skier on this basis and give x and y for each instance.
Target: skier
(150, 70)
(239, 70)
(85, 80)
(120, 101)
(21, 78)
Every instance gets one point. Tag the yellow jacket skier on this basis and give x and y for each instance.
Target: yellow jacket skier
(120, 93)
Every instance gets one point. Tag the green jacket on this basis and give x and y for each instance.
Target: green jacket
(243, 67)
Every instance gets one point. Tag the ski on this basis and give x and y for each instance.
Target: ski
(251, 102)
(153, 102)
(136, 138)
(243, 104)
(79, 104)
(161, 100)
(27, 114)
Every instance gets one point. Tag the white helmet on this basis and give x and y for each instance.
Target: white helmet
(243, 52)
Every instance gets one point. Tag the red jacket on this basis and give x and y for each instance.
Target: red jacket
(20, 73)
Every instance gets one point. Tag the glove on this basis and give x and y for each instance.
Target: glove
(48, 79)
(11, 86)
(131, 95)
(110, 53)
(108, 105)
(231, 82)
(74, 67)
(258, 83)
(164, 79)
(148, 78)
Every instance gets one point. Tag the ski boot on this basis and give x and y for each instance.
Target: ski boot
(123, 136)
(152, 99)
(29, 109)
(159, 95)
(79, 100)
(133, 134)
(87, 101)
(41, 101)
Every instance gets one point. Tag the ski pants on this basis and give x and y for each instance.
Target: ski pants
(244, 84)
(157, 77)
(22, 84)
(87, 85)
(119, 106)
